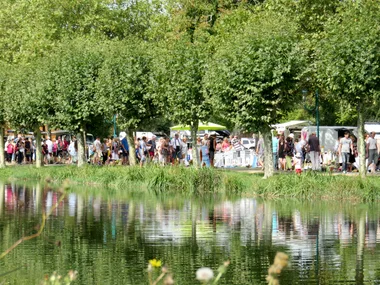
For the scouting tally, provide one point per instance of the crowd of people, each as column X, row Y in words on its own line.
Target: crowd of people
column 297, row 154
column 177, row 150
column 22, row 150
column 289, row 153
column 163, row 150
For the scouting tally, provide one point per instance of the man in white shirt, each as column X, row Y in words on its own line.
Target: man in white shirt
column 143, row 151
column 345, row 145
column 176, row 145
column 184, row 150
column 97, row 150
column 49, row 145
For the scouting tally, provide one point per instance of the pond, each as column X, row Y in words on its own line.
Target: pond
column 109, row 238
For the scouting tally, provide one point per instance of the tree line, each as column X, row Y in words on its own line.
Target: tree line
column 73, row 64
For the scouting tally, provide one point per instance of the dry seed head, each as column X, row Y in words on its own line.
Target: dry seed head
column 169, row 280
column 164, row 269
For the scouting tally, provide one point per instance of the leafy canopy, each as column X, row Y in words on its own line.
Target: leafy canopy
column 348, row 56
column 123, row 83
column 253, row 76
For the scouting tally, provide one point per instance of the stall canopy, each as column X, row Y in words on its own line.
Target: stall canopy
column 201, row 127
column 291, row 124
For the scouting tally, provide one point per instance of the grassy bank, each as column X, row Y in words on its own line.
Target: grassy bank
column 204, row 181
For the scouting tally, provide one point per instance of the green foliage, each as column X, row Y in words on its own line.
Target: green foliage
column 178, row 71
column 32, row 29
column 318, row 186
column 74, row 64
column 3, row 95
column 70, row 84
column 253, row 76
column 25, row 104
column 122, row 86
column 348, row 57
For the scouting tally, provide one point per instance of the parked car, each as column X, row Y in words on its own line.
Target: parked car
column 248, row 143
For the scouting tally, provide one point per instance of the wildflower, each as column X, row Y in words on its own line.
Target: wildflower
column 204, row 274
column 155, row 263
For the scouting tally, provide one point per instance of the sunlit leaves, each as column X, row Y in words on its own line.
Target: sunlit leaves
column 254, row 75
column 348, row 57
column 123, row 83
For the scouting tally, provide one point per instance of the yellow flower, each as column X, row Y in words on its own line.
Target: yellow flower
column 155, row 263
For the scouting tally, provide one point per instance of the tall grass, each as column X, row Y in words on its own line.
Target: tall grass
column 320, row 186
column 205, row 181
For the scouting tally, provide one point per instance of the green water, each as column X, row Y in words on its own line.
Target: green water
column 109, row 239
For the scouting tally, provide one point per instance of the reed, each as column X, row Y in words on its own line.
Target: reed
column 206, row 181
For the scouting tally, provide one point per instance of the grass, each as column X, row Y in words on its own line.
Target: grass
column 205, row 181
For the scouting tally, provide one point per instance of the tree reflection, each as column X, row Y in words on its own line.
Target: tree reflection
column 41, row 227
column 109, row 238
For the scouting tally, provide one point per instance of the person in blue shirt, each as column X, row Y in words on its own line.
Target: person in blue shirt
column 124, row 150
column 205, row 154
column 275, row 151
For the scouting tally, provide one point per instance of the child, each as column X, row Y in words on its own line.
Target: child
column 298, row 163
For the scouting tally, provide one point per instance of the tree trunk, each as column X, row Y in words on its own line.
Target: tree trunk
column 38, row 148
column 361, row 142
column 131, row 145
column 268, row 155
column 2, row 194
column 2, row 153
column 81, row 149
column 195, row 152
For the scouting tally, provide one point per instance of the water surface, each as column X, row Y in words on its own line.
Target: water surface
column 109, row 238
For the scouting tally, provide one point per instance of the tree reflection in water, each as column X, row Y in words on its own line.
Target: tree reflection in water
column 109, row 236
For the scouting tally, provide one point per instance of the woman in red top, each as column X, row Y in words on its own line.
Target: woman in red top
column 10, row 151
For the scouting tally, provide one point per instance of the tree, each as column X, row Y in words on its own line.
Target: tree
column 69, row 85
column 253, row 76
column 32, row 29
column 123, row 87
column 178, row 82
column 349, row 61
column 3, row 79
column 26, row 106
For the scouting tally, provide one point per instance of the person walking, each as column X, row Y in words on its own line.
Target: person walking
column 281, row 151
column 314, row 151
column 205, row 157
column 372, row 152
column 260, row 151
column 275, row 140
column 97, row 151
column 176, row 145
column 124, row 147
column 345, row 145
column 143, row 151
column 10, row 150
column 289, row 151
column 212, row 148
